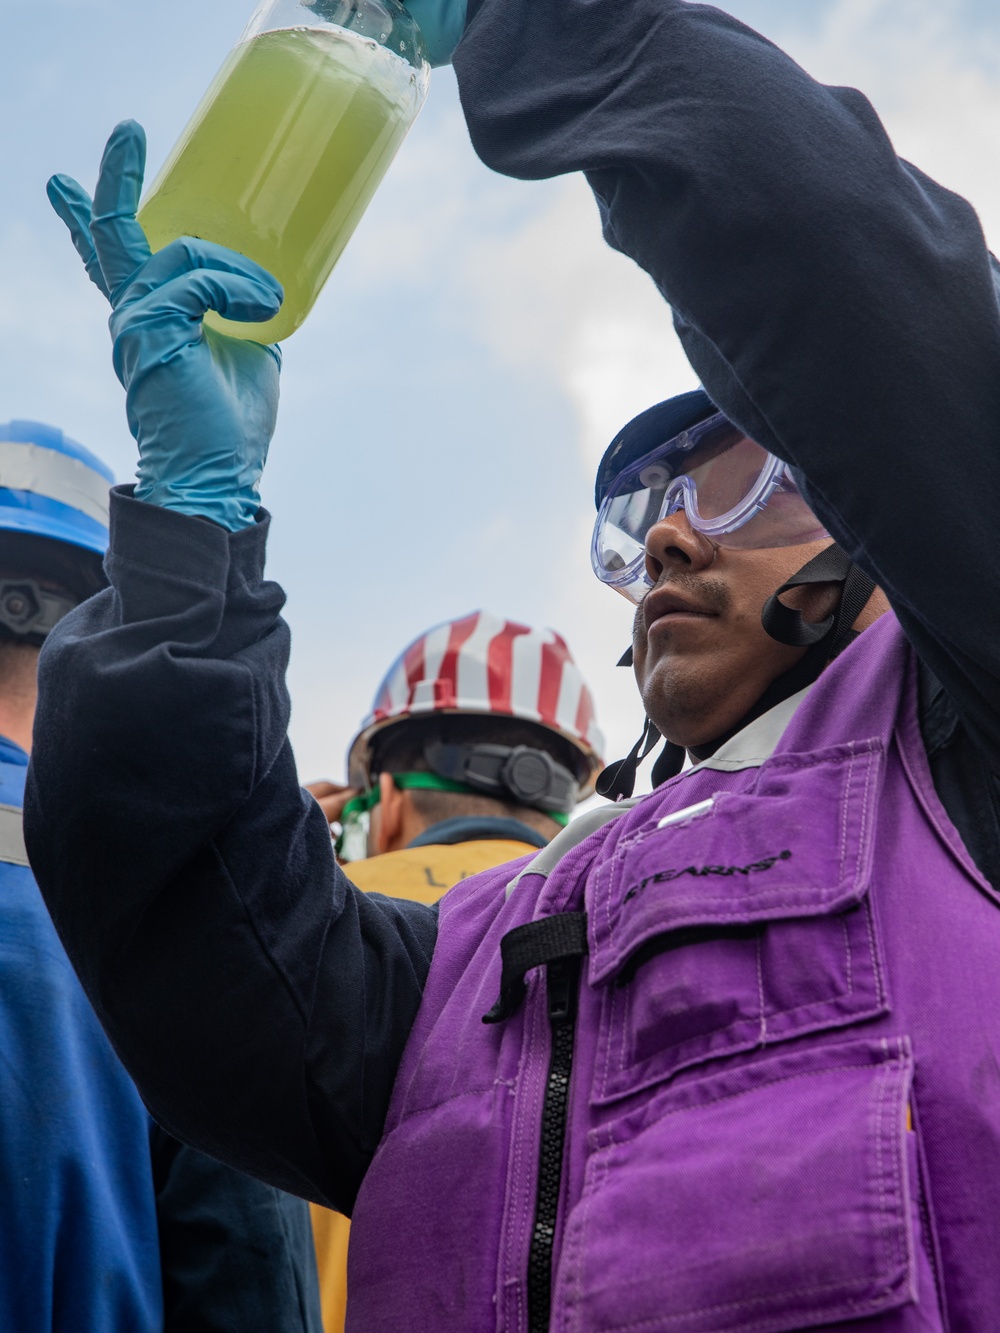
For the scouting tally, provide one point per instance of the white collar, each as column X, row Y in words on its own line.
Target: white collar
column 749, row 748
column 757, row 741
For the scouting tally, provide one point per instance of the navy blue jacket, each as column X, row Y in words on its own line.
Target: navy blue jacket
column 837, row 304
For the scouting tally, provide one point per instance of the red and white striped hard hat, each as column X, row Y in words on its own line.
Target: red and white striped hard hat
column 484, row 664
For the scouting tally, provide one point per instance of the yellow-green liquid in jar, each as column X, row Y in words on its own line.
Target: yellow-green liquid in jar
column 282, row 157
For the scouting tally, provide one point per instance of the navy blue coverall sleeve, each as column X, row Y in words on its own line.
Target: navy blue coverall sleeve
column 836, row 303
column 258, row 999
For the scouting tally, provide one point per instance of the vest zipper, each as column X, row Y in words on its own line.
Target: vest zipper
column 562, row 982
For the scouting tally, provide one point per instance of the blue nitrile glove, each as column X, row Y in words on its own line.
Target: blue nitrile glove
column 201, row 406
column 441, row 23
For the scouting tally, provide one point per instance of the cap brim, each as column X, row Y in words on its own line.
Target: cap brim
column 651, row 428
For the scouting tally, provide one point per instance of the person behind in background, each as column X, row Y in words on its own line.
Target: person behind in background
column 109, row 1224
column 481, row 740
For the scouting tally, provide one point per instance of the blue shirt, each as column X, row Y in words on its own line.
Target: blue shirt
column 79, row 1247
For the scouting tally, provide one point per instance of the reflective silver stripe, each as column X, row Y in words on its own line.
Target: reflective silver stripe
column 571, row 836
column 29, row 467
column 12, row 836
column 687, row 814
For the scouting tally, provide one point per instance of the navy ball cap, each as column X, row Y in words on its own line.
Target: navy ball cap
column 643, row 433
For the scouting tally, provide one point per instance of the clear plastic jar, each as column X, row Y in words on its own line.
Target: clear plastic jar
column 290, row 142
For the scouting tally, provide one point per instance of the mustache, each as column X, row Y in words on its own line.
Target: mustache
column 707, row 593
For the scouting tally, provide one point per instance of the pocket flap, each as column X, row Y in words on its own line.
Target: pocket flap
column 798, row 845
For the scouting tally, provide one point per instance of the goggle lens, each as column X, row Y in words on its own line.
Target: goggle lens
column 731, row 489
column 721, row 476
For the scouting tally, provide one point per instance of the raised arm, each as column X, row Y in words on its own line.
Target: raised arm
column 260, row 1002
column 837, row 304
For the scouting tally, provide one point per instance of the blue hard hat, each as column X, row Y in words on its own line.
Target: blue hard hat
column 52, row 487
column 643, row 433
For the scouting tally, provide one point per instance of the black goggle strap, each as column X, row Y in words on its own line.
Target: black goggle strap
column 824, row 641
column 834, row 633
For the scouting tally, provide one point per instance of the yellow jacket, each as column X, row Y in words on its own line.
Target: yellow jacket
column 421, row 874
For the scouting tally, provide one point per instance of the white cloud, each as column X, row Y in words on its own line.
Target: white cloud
column 554, row 295
column 934, row 82
column 53, row 329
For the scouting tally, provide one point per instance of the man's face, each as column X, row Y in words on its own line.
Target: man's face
column 702, row 656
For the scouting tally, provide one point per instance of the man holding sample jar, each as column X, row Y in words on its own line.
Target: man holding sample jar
column 737, row 1068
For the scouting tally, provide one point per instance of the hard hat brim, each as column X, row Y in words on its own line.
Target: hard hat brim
column 38, row 516
column 359, row 754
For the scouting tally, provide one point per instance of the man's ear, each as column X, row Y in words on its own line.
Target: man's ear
column 390, row 821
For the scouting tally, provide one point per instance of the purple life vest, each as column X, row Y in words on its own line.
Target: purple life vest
column 783, row 1110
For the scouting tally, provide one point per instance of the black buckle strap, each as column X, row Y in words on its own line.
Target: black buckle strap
column 532, row 945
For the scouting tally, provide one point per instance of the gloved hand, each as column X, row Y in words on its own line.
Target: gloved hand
column 442, row 23
column 201, row 406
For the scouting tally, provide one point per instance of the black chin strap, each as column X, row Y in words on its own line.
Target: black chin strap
column 668, row 763
column 823, row 642
column 618, row 779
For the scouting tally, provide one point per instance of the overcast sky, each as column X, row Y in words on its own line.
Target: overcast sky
column 445, row 405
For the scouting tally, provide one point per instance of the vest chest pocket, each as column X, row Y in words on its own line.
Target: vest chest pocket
column 771, row 1197
column 745, row 924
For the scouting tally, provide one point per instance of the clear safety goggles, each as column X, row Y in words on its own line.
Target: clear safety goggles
column 730, row 488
